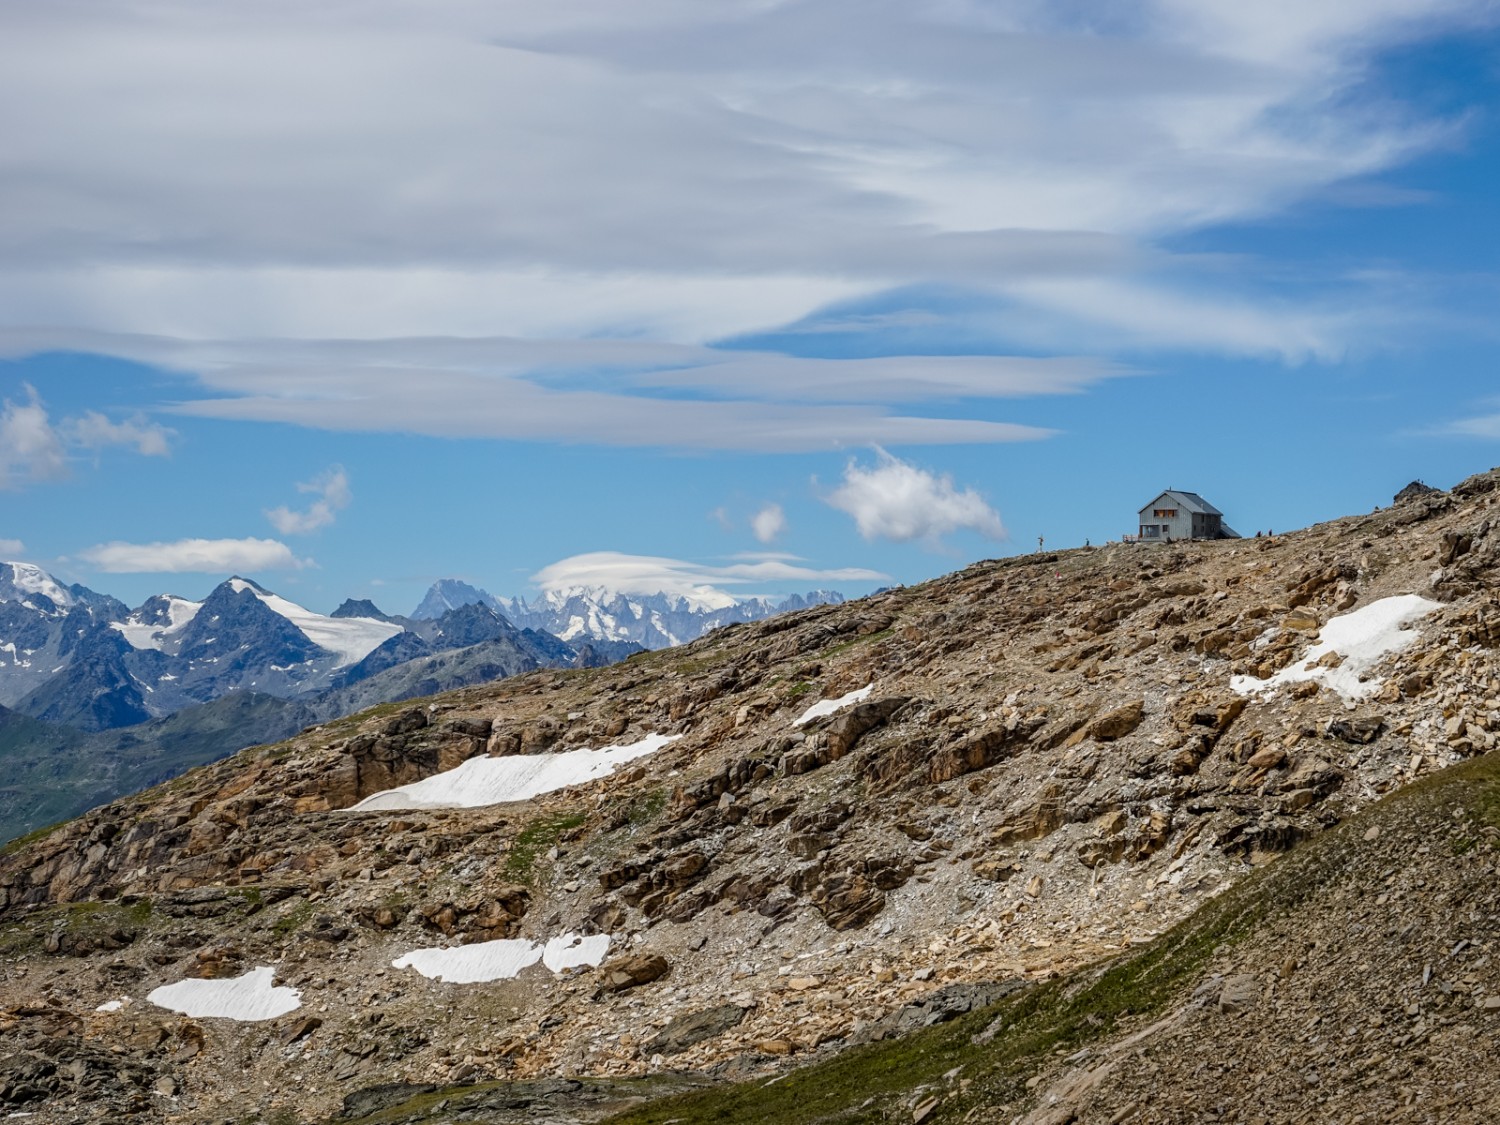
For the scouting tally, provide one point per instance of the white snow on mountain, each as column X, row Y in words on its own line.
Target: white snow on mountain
column 24, row 579
column 352, row 638
column 504, row 959
column 493, row 781
column 251, row 998
column 144, row 634
column 831, row 706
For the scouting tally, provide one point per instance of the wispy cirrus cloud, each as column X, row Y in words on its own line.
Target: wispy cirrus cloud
column 196, row 556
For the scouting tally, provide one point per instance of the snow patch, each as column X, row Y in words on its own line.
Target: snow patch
column 350, row 638
column 111, row 1006
column 829, row 706
column 249, row 998
column 1363, row 638
column 493, row 781
column 142, row 634
column 504, row 959
column 29, row 579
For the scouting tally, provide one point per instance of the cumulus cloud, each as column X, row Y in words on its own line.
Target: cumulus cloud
column 207, row 556
column 901, row 502
column 92, row 430
column 33, row 448
column 12, row 547
column 333, row 495
column 768, row 523
column 30, row 449
column 701, row 584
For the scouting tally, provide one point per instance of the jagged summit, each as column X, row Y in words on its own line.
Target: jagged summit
column 449, row 594
column 795, row 836
column 361, row 607
column 596, row 613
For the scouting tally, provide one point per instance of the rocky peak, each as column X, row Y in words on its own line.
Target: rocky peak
column 361, row 607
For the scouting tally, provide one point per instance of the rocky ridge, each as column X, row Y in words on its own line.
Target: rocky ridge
column 1050, row 768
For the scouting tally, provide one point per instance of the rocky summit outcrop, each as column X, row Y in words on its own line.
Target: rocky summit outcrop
column 1017, row 774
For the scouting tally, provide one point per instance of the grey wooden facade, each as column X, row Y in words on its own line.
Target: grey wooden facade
column 1182, row 515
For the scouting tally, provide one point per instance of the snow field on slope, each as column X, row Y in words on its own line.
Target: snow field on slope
column 493, row 781
column 248, row 998
column 504, row 959
column 30, row 579
column 1363, row 638
column 180, row 611
column 829, row 706
column 352, row 638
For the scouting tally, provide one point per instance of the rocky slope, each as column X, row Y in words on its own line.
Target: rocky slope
column 1050, row 768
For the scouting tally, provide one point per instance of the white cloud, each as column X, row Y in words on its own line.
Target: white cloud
column 702, row 584
column 30, row 449
column 12, row 548
column 690, row 170
column 334, row 495
column 897, row 501
column 33, row 448
column 768, row 523
column 94, row 431
column 208, row 556
column 503, row 387
column 1480, row 426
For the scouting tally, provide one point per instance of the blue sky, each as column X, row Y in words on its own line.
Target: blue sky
column 762, row 295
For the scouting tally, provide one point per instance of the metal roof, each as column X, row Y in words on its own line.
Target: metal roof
column 1189, row 500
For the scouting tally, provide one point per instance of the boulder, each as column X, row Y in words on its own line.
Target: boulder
column 631, row 970
column 1118, row 723
column 689, row 1030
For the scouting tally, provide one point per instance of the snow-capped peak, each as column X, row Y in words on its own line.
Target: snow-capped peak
column 351, row 638
column 19, row 581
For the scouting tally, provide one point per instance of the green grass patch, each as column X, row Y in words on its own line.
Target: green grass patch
column 845, row 646
column 74, row 919
column 293, row 918
column 30, row 838
column 533, row 841
column 645, row 809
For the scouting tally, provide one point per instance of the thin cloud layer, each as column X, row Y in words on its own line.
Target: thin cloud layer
column 902, row 503
column 333, row 496
column 12, row 548
column 196, row 556
column 688, row 171
column 604, row 392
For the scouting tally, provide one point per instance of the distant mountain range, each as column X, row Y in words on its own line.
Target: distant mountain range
column 101, row 698
column 584, row 613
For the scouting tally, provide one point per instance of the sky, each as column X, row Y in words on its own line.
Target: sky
column 763, row 295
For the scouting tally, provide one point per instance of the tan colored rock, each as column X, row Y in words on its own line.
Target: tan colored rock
column 631, row 971
column 1119, row 722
